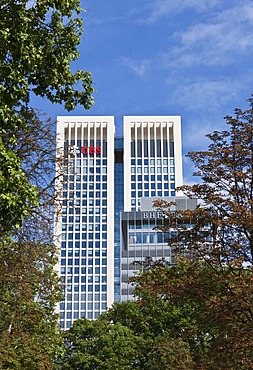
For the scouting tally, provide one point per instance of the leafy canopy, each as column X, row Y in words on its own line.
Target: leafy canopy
column 213, row 244
column 38, row 42
column 29, row 290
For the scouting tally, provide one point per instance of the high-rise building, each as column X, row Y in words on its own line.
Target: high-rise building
column 104, row 178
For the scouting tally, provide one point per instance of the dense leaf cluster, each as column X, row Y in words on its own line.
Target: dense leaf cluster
column 29, row 290
column 38, row 42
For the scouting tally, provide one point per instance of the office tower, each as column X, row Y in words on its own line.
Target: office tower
column 86, row 227
column 104, row 176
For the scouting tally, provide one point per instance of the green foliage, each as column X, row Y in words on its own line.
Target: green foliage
column 38, row 43
column 29, row 290
column 101, row 345
column 130, row 335
column 16, row 192
column 160, row 324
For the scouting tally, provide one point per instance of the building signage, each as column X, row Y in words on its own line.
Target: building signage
column 85, row 150
column 91, row 150
column 152, row 214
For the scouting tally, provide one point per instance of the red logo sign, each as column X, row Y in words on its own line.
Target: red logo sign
column 91, row 150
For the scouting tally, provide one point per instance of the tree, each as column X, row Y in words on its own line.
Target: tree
column 128, row 336
column 155, row 321
column 29, row 290
column 214, row 247
column 38, row 42
column 36, row 148
column 101, row 345
column 29, row 284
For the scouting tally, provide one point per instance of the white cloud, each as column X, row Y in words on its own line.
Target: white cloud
column 203, row 93
column 139, row 67
column 164, row 8
column 205, row 103
column 215, row 42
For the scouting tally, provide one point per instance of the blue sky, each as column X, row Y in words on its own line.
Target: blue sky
column 191, row 58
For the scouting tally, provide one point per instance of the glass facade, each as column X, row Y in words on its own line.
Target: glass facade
column 140, row 239
column 86, row 237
